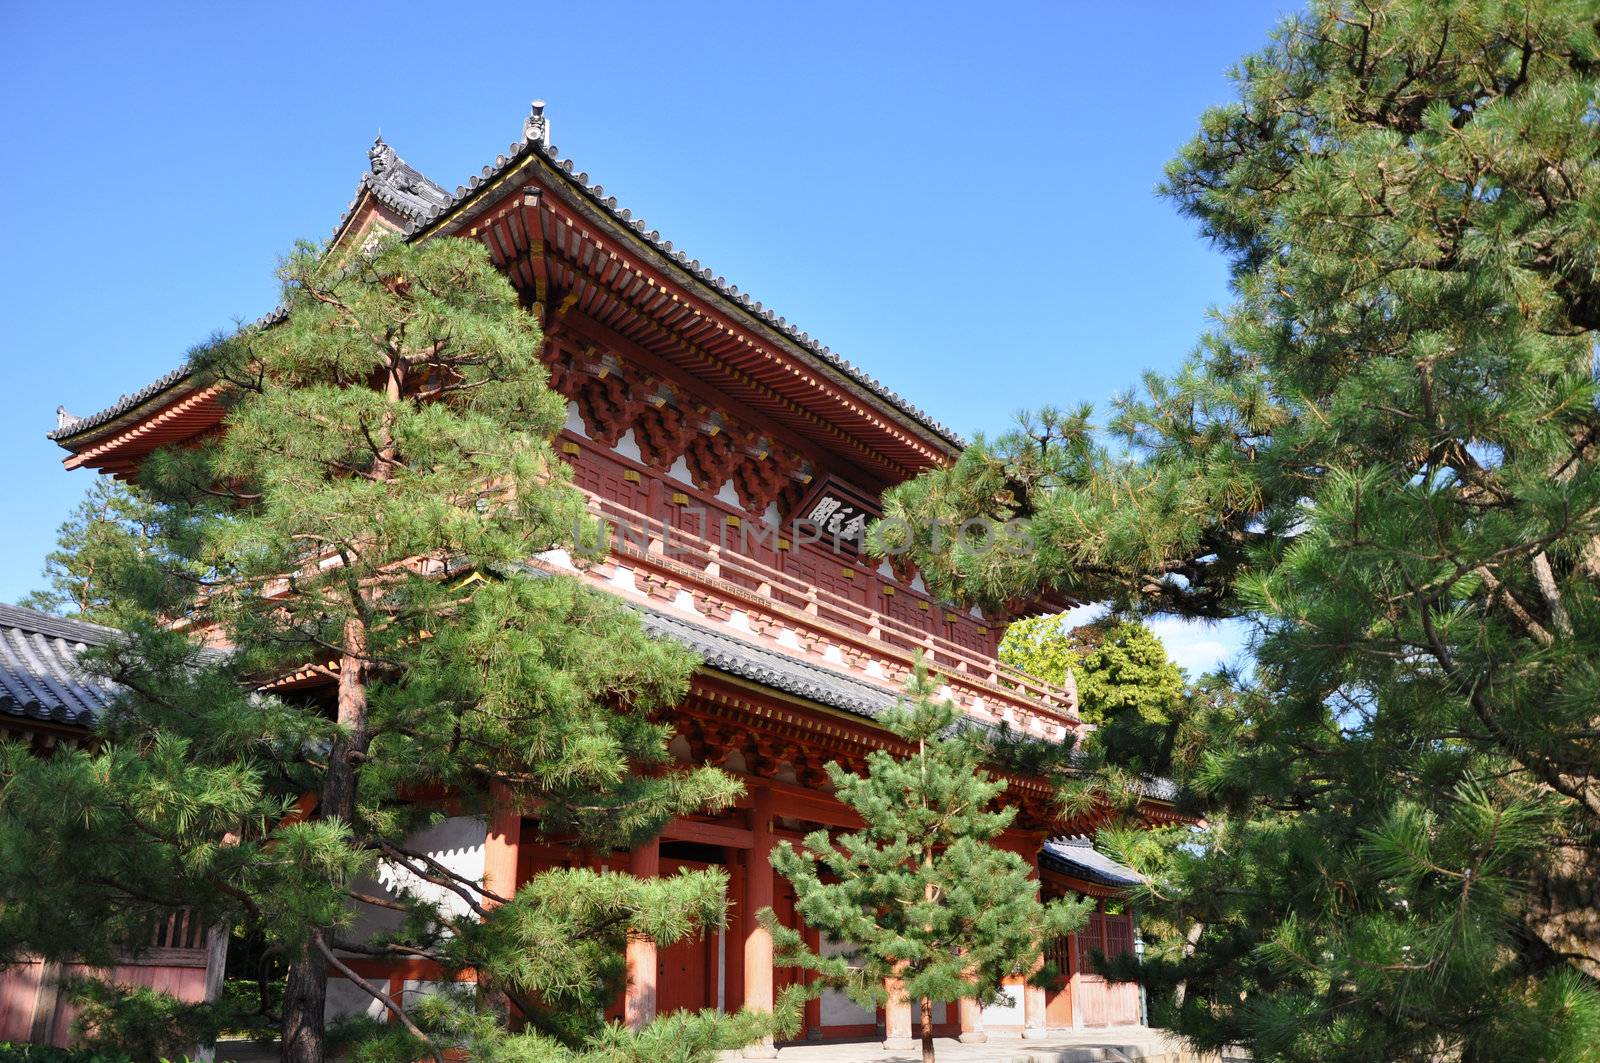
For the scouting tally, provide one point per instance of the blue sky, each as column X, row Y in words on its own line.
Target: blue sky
column 958, row 197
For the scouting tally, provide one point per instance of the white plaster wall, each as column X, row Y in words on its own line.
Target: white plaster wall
column 836, row 1008
column 628, row 447
column 1008, row 1012
column 345, row 999
column 457, row 843
column 414, row 989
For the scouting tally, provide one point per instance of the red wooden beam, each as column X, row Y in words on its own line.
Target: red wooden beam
column 703, row 833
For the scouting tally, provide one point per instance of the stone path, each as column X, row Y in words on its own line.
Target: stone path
column 1127, row 1044
column 1132, row 1044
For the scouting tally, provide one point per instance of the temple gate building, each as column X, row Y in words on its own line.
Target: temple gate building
column 728, row 448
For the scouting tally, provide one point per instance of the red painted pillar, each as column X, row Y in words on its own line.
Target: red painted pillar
column 1034, row 1022
column 813, row 1019
column 639, row 1005
column 502, row 844
column 758, row 890
column 733, row 951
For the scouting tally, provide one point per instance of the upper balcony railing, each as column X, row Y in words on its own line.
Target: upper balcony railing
column 876, row 618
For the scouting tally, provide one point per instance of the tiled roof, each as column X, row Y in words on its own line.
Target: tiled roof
column 397, row 185
column 770, row 668
column 536, row 140
column 40, row 677
column 425, row 203
column 68, row 425
column 1077, row 856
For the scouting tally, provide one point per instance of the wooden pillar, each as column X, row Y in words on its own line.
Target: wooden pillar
column 1034, row 1022
column 897, row 1018
column 971, row 1016
column 639, row 1003
column 758, row 889
column 216, row 970
column 734, row 860
column 46, row 1000
column 813, row 1010
column 502, row 844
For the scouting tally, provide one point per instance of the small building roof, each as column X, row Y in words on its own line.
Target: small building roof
column 40, row 675
column 1077, row 856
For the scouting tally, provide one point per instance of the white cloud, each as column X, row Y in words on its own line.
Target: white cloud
column 1197, row 646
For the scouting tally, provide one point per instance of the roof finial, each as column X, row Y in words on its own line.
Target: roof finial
column 381, row 155
column 536, row 127
column 63, row 418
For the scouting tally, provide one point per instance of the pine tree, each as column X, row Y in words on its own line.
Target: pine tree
column 366, row 515
column 108, row 532
column 1385, row 456
column 921, row 892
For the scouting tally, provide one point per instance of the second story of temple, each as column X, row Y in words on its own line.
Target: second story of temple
column 735, row 459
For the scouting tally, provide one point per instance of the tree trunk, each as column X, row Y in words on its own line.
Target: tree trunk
column 927, row 1030
column 1190, row 941
column 305, row 1001
column 306, row 995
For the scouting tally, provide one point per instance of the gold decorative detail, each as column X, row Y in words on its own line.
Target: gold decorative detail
column 679, row 498
column 631, row 475
column 570, row 448
column 888, row 590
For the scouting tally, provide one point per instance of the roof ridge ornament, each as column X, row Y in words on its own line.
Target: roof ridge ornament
column 536, row 127
column 381, row 155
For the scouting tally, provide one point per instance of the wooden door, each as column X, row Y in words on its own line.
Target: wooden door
column 1089, row 984
column 686, row 973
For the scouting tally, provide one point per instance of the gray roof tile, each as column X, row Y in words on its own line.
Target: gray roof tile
column 40, row 676
column 745, row 660
column 1077, row 856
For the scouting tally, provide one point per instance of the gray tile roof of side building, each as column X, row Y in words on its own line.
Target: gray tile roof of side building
column 40, row 676
column 425, row 203
column 1077, row 856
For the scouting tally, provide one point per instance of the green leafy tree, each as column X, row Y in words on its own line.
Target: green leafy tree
column 921, row 892
column 1118, row 665
column 384, row 472
column 1386, row 457
column 1143, row 711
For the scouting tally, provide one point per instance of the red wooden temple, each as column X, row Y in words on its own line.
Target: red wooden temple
column 729, row 450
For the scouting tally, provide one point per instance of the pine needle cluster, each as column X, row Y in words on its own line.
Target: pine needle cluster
column 1385, row 457
column 922, row 892
column 358, row 536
